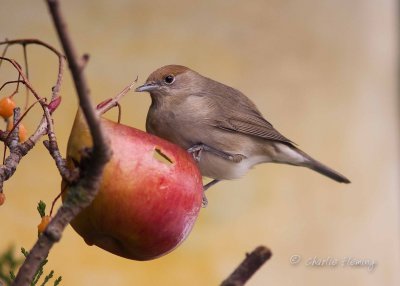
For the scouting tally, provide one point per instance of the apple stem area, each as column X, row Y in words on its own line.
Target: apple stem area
column 107, row 104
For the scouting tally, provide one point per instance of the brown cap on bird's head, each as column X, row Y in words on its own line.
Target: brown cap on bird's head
column 165, row 71
column 164, row 76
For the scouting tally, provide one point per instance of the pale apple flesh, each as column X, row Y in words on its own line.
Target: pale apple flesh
column 150, row 193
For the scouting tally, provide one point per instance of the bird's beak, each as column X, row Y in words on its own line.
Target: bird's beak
column 147, row 87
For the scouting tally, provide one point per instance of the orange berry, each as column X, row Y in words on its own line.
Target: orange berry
column 7, row 106
column 2, row 198
column 22, row 133
column 43, row 224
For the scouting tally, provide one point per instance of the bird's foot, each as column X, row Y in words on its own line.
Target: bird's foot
column 205, row 188
column 204, row 201
column 196, row 151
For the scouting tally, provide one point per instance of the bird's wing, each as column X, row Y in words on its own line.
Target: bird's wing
column 245, row 118
column 254, row 126
column 237, row 113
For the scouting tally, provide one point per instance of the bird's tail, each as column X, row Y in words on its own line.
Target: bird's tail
column 321, row 168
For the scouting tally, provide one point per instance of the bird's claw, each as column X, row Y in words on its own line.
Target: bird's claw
column 204, row 201
column 196, row 151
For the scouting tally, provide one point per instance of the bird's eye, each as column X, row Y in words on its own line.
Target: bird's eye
column 169, row 79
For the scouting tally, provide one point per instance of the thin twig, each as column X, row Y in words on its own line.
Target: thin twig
column 112, row 102
column 10, row 139
column 4, row 52
column 10, row 82
column 22, row 117
column 18, row 150
column 27, row 76
column 70, row 176
column 16, row 153
column 51, row 144
column 55, row 98
column 248, row 267
column 29, row 85
column 25, row 79
column 61, row 58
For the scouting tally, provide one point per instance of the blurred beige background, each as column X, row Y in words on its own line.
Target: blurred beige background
column 323, row 72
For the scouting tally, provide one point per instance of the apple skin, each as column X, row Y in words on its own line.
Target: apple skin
column 145, row 207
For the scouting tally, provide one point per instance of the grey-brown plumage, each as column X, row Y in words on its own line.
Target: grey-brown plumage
column 219, row 124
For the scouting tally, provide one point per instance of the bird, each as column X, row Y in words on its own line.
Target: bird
column 220, row 126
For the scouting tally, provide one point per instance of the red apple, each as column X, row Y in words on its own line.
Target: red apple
column 150, row 193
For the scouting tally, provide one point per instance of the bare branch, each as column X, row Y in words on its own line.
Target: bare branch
column 16, row 153
column 82, row 89
column 18, row 150
column 248, row 267
column 70, row 176
column 85, row 189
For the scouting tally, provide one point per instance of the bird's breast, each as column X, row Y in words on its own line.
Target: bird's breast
column 216, row 167
column 173, row 125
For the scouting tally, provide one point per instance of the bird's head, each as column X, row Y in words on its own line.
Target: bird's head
column 171, row 80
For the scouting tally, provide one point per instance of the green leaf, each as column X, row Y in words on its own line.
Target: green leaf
column 41, row 208
column 24, row 252
column 58, row 280
column 12, row 275
column 8, row 264
column 47, row 278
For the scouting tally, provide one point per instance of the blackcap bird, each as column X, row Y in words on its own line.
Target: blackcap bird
column 219, row 125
